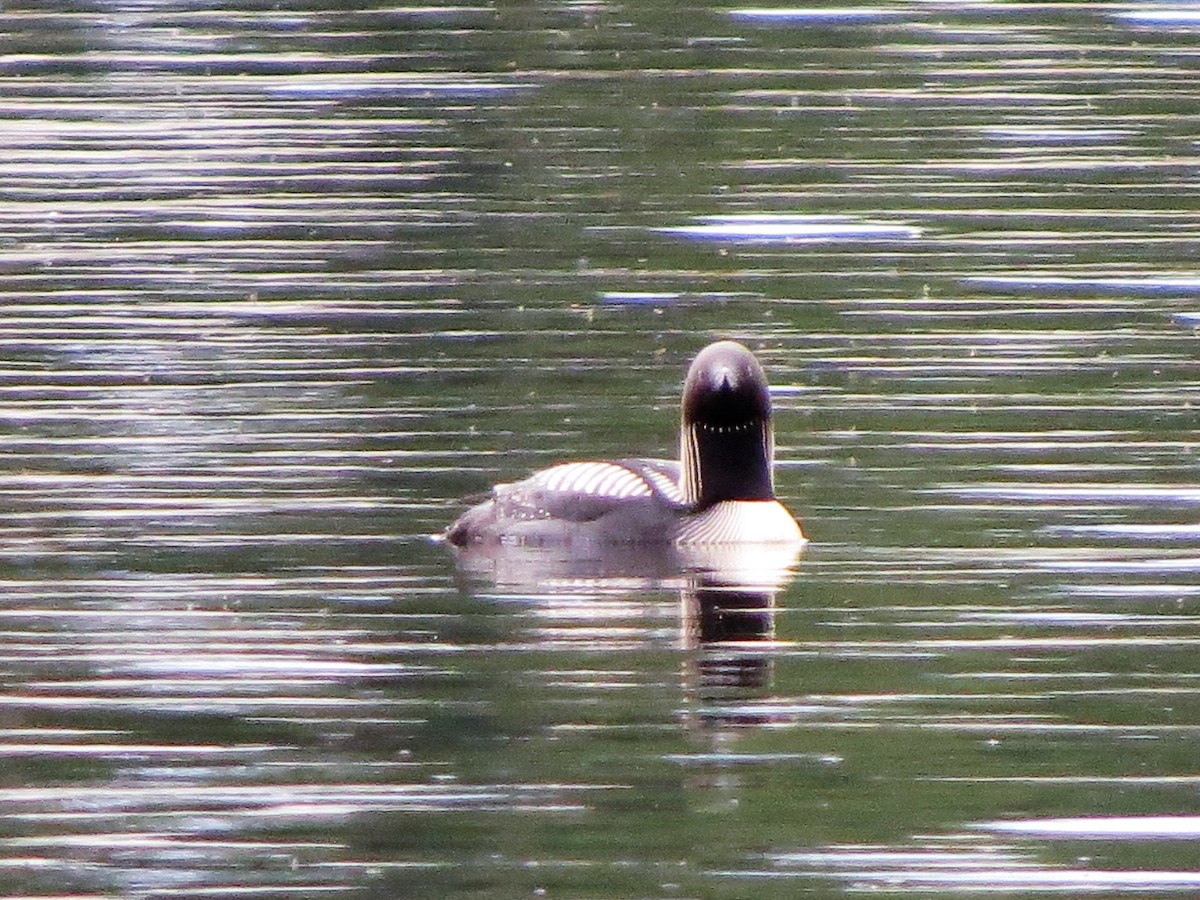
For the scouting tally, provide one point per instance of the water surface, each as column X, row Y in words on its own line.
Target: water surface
column 284, row 288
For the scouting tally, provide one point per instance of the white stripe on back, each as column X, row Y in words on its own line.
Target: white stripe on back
column 595, row 479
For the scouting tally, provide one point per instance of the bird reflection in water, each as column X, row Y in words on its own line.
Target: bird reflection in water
column 726, row 601
column 726, row 628
column 723, row 624
column 728, row 625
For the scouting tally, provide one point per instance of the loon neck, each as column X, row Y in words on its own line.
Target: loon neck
column 730, row 462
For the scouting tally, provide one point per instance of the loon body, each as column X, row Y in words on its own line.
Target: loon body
column 720, row 491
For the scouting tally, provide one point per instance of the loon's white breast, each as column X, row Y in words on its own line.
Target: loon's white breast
column 740, row 522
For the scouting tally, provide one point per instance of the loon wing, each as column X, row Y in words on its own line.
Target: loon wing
column 585, row 491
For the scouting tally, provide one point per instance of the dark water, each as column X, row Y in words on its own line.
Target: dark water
column 283, row 285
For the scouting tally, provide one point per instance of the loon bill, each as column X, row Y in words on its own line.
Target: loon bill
column 721, row 490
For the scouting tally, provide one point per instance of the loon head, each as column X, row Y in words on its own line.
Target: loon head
column 726, row 443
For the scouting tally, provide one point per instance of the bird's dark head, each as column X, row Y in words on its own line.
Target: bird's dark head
column 727, row 444
column 725, row 388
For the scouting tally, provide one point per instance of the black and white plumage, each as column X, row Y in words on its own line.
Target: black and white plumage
column 721, row 490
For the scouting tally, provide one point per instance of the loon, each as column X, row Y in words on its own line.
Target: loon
column 721, row 491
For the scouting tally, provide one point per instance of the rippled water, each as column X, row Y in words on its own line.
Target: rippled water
column 283, row 288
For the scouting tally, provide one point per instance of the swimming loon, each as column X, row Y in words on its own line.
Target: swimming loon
column 721, row 491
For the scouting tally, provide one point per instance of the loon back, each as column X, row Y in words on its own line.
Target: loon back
column 628, row 500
